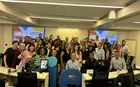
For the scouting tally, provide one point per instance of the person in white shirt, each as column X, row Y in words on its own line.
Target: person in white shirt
column 125, row 50
column 117, row 63
column 73, row 63
column 100, row 54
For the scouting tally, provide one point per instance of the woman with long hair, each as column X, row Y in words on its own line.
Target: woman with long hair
column 78, row 53
column 26, row 55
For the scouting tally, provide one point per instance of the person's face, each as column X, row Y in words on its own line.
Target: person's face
column 54, row 53
column 123, row 43
column 26, row 38
column 67, row 39
column 115, row 43
column 73, row 38
column 15, row 45
column 99, row 46
column 69, row 46
column 76, row 39
column 93, row 42
column 40, row 35
column 46, row 38
column 76, row 47
column 42, row 52
column 117, row 54
column 106, row 39
column 51, row 37
column 97, row 37
column 33, row 41
column 20, row 39
column 84, row 48
column 32, row 48
column 58, row 37
column 103, row 40
column 29, row 39
column 91, row 56
column 38, row 39
column 49, row 46
column 90, row 48
column 73, row 56
column 57, row 48
column 22, row 47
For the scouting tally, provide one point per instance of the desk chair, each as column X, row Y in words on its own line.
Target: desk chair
column 70, row 78
column 126, row 80
column 1, row 59
column 99, row 79
column 27, row 80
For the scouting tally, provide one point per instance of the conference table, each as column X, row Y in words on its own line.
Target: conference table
column 112, row 75
column 40, row 76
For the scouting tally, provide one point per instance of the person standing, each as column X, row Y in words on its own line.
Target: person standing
column 100, row 53
column 107, row 43
column 16, row 61
column 65, row 55
column 9, row 54
column 97, row 40
column 125, row 50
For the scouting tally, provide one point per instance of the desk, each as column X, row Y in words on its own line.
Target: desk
column 40, row 76
column 112, row 75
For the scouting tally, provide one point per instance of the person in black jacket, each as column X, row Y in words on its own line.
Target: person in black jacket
column 91, row 63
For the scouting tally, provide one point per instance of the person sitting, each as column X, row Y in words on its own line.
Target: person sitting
column 117, row 63
column 73, row 63
column 35, row 62
column 91, row 63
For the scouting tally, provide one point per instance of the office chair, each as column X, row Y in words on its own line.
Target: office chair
column 99, row 79
column 27, row 80
column 2, row 83
column 1, row 59
column 126, row 80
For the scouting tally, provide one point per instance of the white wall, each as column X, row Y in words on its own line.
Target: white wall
column 5, row 37
column 67, row 32
column 1, row 38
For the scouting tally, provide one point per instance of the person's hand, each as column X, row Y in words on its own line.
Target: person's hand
column 22, row 54
column 34, row 53
column 102, row 63
column 83, row 62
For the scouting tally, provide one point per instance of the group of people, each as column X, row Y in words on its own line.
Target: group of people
column 86, row 53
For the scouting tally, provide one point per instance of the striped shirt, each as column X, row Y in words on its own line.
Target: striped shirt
column 35, row 62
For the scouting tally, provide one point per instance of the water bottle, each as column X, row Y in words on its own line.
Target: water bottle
column 119, row 84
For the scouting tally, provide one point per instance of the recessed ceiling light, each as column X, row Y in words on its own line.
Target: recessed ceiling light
column 137, row 22
column 66, row 19
column 63, row 4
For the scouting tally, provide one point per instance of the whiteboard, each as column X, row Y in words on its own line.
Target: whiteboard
column 132, row 46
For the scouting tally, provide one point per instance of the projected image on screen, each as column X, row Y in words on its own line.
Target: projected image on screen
column 111, row 35
column 22, row 31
